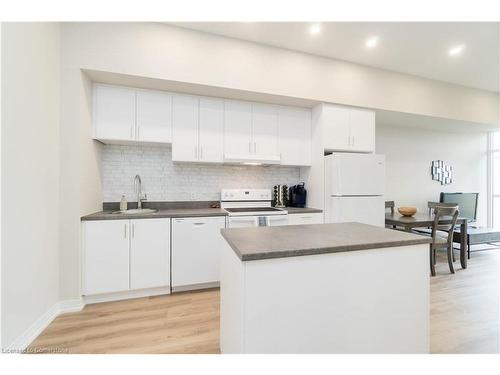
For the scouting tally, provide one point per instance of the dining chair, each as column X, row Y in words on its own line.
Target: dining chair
column 442, row 235
column 390, row 205
column 431, row 206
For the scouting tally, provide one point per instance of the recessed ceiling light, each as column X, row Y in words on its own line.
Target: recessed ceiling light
column 315, row 29
column 457, row 50
column 371, row 42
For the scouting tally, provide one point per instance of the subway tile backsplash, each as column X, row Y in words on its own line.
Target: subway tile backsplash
column 163, row 180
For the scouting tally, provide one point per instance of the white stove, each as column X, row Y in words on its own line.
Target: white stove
column 251, row 208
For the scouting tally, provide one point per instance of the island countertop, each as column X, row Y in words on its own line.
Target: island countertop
column 298, row 240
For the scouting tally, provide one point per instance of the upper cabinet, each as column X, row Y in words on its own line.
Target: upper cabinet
column 206, row 129
column 348, row 129
column 251, row 132
column 237, row 129
column 198, row 129
column 124, row 114
column 154, row 116
column 114, row 113
column 295, row 136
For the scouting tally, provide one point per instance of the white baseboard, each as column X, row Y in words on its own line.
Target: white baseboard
column 61, row 307
column 129, row 294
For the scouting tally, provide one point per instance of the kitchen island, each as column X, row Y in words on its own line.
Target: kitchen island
column 325, row 288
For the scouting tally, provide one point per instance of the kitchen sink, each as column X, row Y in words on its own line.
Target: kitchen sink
column 136, row 211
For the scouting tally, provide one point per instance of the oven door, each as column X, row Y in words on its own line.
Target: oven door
column 242, row 221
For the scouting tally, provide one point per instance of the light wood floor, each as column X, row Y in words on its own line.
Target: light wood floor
column 464, row 318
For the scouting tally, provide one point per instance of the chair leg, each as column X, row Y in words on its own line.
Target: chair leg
column 453, row 253
column 434, row 256
column 450, row 262
column 468, row 250
column 431, row 258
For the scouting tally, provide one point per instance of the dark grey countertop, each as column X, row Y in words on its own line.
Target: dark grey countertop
column 304, row 210
column 172, row 210
column 297, row 240
column 167, row 213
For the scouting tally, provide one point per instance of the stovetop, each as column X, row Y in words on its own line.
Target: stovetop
column 252, row 209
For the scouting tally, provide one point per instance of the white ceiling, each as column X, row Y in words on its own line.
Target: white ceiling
column 414, row 48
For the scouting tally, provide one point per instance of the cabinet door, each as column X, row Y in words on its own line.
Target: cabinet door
column 305, row 218
column 336, row 128
column 237, row 128
column 114, row 113
column 265, row 129
column 154, row 116
column 362, row 124
column 149, row 253
column 211, row 135
column 295, row 136
column 185, row 128
column 105, row 256
column 196, row 247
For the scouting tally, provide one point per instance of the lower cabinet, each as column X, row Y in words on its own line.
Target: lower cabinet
column 196, row 247
column 305, row 218
column 122, row 255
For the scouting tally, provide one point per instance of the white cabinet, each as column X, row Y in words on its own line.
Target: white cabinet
column 295, row 136
column 154, row 116
column 106, row 256
column 237, row 128
column 122, row 255
column 149, row 253
column 114, row 113
column 123, row 114
column 305, row 218
column 196, row 246
column 265, row 130
column 362, row 127
column 185, row 128
column 211, row 130
column 348, row 129
column 198, row 129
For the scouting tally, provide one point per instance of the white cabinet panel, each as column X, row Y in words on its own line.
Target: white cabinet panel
column 185, row 128
column 362, row 127
column 237, row 128
column 265, row 129
column 106, row 256
column 149, row 253
column 305, row 218
column 348, row 129
column 336, row 131
column 295, row 136
column 196, row 246
column 154, row 116
column 114, row 113
column 211, row 130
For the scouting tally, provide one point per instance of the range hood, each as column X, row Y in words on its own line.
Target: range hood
column 252, row 159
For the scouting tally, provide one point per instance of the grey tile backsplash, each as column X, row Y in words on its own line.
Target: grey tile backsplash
column 163, row 180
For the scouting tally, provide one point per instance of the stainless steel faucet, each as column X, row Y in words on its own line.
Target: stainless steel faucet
column 138, row 190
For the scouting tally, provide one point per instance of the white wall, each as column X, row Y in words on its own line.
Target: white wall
column 164, row 180
column 409, row 152
column 30, row 174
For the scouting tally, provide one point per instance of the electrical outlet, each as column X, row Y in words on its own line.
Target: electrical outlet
column 193, row 195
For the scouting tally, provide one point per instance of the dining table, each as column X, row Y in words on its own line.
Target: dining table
column 422, row 220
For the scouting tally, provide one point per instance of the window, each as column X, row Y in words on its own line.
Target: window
column 494, row 178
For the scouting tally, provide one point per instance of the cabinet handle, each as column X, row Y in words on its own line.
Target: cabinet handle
column 201, row 157
column 125, row 231
column 306, row 217
column 199, row 224
column 196, row 152
column 255, row 147
column 249, row 147
column 133, row 230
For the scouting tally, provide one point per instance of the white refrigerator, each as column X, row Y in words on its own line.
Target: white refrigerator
column 355, row 188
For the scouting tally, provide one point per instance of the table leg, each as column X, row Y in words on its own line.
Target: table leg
column 463, row 244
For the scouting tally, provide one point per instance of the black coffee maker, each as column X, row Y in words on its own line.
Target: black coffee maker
column 297, row 195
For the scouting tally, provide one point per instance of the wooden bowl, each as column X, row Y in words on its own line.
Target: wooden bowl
column 407, row 211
